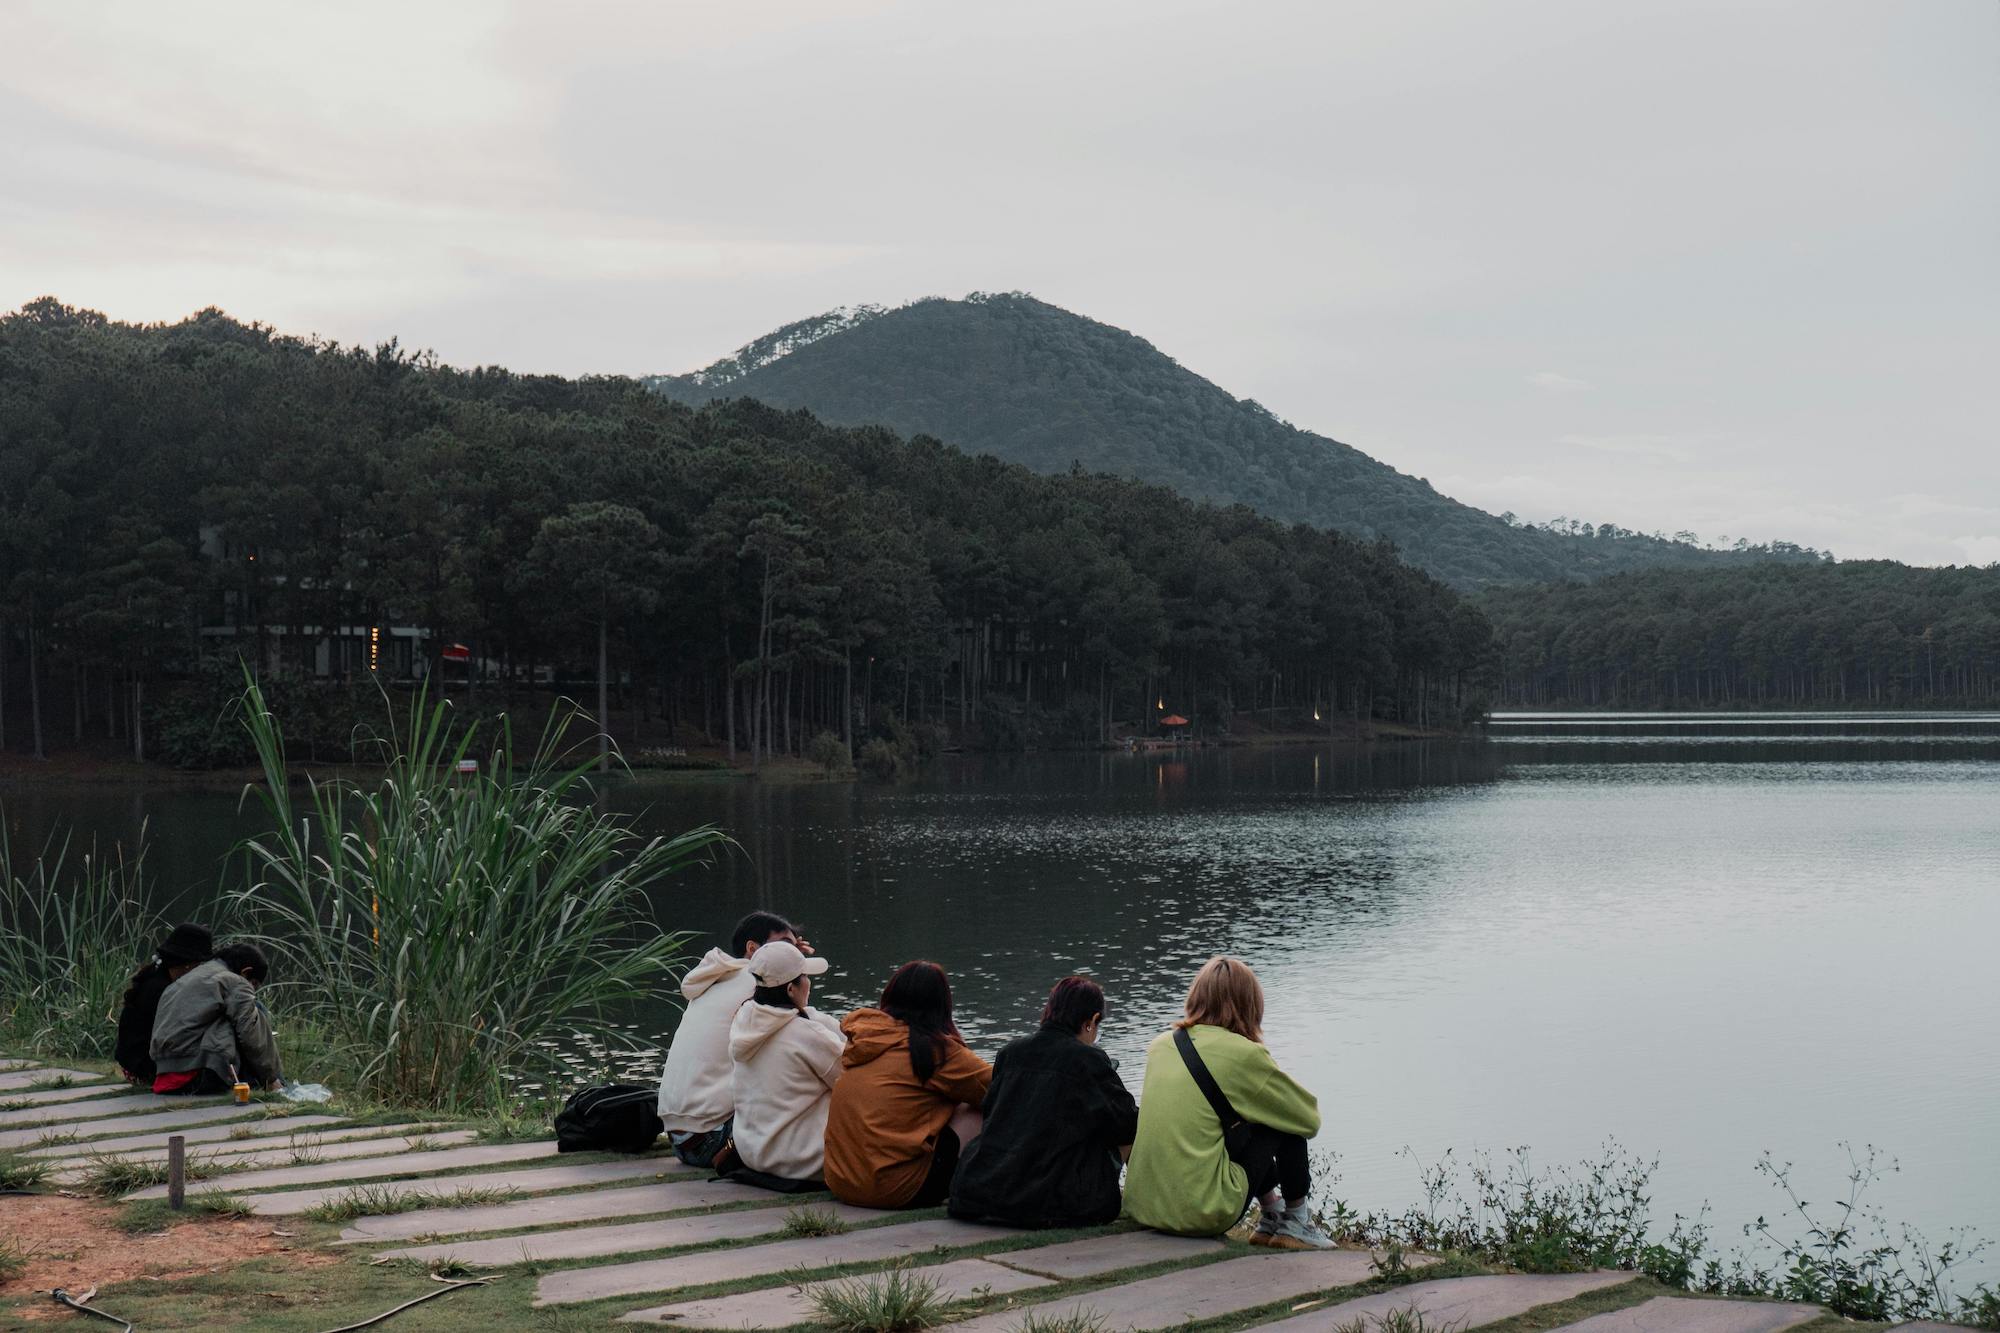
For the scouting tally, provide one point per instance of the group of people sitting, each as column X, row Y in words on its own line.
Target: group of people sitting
column 190, row 1021
column 889, row 1108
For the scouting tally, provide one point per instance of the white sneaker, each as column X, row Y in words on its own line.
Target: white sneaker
column 1292, row 1229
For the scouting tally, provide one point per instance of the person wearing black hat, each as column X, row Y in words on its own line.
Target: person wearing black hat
column 186, row 947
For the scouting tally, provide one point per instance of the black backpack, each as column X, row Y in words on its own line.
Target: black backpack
column 615, row 1117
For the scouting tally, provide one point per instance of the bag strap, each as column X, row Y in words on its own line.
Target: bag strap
column 1206, row 1081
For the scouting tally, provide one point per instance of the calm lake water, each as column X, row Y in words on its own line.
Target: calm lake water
column 1704, row 938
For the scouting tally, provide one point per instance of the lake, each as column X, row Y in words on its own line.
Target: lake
column 1704, row 937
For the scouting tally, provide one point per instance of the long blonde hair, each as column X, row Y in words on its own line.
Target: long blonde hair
column 1226, row 994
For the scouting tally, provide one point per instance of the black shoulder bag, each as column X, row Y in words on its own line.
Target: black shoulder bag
column 1236, row 1130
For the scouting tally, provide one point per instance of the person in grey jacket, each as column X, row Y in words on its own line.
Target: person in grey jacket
column 211, row 1023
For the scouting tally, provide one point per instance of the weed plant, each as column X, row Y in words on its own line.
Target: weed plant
column 897, row 1301
column 1410, row 1319
column 1598, row 1215
column 18, row 1172
column 14, row 1256
column 386, row 1201
column 812, row 1220
column 73, row 928
column 1074, row 1321
column 443, row 931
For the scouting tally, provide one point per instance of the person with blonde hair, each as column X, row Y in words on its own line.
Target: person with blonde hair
column 1220, row 1124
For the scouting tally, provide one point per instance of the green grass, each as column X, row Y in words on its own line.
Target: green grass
column 23, row 1173
column 52, row 1083
column 14, row 1256
column 57, row 1138
column 1085, row 1320
column 111, row 1176
column 154, row 1214
column 897, row 1301
column 812, row 1220
column 1409, row 1319
column 385, row 1201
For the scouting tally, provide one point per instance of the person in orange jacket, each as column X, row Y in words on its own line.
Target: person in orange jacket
column 903, row 1108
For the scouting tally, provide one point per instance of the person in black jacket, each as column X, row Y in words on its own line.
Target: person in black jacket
column 186, row 947
column 1057, row 1115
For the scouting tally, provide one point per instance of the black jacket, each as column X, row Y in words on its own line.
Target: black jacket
column 134, row 1052
column 1056, row 1115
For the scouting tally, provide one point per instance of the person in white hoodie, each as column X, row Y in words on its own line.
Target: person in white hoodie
column 696, row 1096
column 787, row 1056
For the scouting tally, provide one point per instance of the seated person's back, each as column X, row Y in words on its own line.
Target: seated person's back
column 787, row 1056
column 905, row 1078
column 1055, row 1117
column 697, row 1097
column 185, row 948
column 211, row 1030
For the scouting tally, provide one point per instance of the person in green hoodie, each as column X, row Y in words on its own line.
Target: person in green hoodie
column 1201, row 1156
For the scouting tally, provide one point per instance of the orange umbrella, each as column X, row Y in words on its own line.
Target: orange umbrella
column 1175, row 721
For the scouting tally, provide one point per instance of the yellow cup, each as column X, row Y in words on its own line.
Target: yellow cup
column 242, row 1091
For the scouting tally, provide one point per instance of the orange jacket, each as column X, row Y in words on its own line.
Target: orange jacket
column 883, row 1127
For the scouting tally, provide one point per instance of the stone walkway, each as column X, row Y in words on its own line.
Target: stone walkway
column 643, row 1240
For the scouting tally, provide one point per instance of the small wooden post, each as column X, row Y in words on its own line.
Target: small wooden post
column 177, row 1172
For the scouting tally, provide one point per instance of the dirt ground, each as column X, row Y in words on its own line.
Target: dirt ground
column 71, row 1243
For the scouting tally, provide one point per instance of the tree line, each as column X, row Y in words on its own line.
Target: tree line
column 1857, row 634
column 175, row 493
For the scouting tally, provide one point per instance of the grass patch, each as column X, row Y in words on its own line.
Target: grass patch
column 23, row 1173
column 111, row 1176
column 898, row 1301
column 1085, row 1320
column 519, row 1126
column 154, row 1214
column 52, row 1082
column 15, row 1103
column 813, row 1220
column 1406, row 1320
column 386, row 1201
column 14, row 1257
column 57, row 1138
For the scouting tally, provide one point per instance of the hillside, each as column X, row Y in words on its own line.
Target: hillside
column 1034, row 384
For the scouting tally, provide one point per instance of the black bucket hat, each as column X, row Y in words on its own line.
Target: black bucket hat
column 187, row 943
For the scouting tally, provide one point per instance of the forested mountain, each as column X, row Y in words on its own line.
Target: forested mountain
column 1857, row 634
column 1034, row 384
column 210, row 488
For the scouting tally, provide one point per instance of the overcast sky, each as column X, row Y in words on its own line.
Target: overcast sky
column 1732, row 267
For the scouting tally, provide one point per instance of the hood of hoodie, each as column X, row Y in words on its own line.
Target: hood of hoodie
column 755, row 1024
column 872, row 1034
column 715, row 965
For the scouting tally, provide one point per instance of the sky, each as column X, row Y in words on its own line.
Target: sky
column 1728, row 267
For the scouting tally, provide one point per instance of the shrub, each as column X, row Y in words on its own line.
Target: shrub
column 443, row 932
column 829, row 752
column 18, row 1172
column 881, row 761
column 75, row 931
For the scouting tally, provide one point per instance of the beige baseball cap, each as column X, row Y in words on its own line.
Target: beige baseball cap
column 780, row 964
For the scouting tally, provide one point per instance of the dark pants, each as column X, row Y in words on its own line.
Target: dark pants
column 1271, row 1158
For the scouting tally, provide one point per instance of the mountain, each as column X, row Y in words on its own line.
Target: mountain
column 1032, row 383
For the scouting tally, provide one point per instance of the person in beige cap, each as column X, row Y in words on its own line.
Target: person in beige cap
column 787, row 1058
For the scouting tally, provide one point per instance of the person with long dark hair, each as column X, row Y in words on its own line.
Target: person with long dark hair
column 1055, row 1119
column 903, row 1109
column 211, row 1030
column 185, row 948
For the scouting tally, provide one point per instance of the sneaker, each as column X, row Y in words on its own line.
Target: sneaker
column 1293, row 1229
column 1267, row 1225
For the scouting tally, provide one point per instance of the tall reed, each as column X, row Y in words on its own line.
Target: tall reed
column 73, row 929
column 444, row 931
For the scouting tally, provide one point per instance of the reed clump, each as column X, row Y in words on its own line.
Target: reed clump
column 440, row 930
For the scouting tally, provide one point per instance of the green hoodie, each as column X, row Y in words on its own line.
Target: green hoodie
column 1180, row 1178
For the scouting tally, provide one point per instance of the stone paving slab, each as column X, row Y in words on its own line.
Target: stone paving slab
column 1679, row 1314
column 634, row 1201
column 1208, row 1292
column 630, row 1238
column 209, row 1134
column 1461, row 1302
column 270, row 1153
column 21, row 1080
column 171, row 1121
column 895, row 1241
column 1107, row 1254
column 782, row 1307
column 74, row 1113
column 352, row 1143
column 400, row 1164
column 527, row 1182
column 43, row 1096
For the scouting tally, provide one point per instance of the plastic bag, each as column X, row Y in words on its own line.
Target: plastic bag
column 306, row 1092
